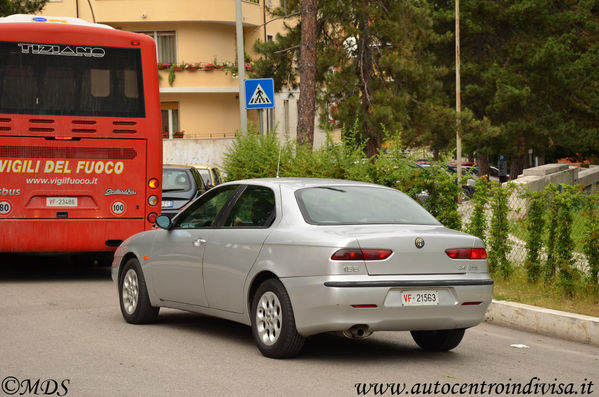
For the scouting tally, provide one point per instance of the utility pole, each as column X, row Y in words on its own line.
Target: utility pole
column 458, row 99
column 241, row 68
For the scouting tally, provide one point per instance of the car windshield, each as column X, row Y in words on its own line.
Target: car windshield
column 205, row 175
column 341, row 205
column 173, row 180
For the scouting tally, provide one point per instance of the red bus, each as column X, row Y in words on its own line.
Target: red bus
column 80, row 135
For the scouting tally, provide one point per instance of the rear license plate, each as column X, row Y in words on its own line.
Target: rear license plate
column 61, row 201
column 167, row 204
column 420, row 298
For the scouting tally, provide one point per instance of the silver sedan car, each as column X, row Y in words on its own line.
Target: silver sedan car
column 294, row 257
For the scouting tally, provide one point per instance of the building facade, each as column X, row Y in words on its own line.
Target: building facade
column 196, row 51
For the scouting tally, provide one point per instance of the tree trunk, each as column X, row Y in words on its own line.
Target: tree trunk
column 307, row 71
column 483, row 164
column 519, row 160
column 364, row 69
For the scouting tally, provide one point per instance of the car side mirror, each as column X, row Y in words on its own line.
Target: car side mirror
column 163, row 222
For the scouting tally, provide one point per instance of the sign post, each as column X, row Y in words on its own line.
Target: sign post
column 260, row 94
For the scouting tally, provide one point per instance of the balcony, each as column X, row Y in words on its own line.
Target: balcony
column 199, row 78
column 220, row 11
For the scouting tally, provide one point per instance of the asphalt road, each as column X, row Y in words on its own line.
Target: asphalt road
column 61, row 323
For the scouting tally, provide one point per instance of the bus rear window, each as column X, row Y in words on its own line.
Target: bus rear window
column 70, row 80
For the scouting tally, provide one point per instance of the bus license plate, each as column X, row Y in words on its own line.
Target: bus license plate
column 61, row 201
column 420, row 298
column 167, row 204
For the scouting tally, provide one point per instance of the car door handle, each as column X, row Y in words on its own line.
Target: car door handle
column 199, row 242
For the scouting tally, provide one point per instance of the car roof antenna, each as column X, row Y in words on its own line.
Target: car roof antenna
column 279, row 160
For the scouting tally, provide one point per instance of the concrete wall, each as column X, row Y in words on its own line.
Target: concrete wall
column 536, row 178
column 285, row 119
column 195, row 151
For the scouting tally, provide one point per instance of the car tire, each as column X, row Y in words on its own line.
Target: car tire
column 273, row 323
column 438, row 341
column 133, row 295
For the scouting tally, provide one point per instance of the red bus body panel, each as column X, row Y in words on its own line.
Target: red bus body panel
column 79, row 184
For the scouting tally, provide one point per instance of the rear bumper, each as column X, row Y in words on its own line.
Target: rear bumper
column 323, row 304
column 65, row 235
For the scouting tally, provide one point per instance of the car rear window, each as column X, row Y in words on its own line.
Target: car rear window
column 174, row 180
column 342, row 205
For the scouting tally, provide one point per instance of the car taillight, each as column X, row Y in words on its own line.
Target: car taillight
column 153, row 183
column 356, row 254
column 478, row 253
column 466, row 253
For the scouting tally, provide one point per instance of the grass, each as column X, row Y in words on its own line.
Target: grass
column 517, row 289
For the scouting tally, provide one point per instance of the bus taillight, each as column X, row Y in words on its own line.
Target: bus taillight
column 153, row 183
column 152, row 217
column 153, row 200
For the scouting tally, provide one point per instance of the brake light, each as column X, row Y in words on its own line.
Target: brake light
column 152, row 217
column 356, row 254
column 153, row 183
column 466, row 253
column 478, row 253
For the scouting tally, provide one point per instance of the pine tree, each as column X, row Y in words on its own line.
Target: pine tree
column 10, row 7
column 530, row 67
column 307, row 65
column 372, row 68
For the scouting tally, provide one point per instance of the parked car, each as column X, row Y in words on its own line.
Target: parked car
column 469, row 177
column 180, row 185
column 295, row 257
column 493, row 172
column 210, row 174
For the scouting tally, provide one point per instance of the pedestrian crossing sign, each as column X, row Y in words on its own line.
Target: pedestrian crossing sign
column 259, row 93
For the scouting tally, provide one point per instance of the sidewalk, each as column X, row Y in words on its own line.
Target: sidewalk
column 564, row 325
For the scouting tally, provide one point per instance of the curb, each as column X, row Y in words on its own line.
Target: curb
column 564, row 325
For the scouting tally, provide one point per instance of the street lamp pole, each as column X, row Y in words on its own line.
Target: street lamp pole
column 458, row 98
column 241, row 68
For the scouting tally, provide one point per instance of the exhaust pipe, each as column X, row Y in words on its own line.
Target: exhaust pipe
column 358, row 332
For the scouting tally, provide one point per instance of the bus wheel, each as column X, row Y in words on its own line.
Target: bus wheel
column 135, row 303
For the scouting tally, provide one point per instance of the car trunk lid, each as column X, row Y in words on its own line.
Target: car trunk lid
column 426, row 257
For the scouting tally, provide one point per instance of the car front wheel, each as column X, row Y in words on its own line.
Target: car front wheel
column 438, row 341
column 273, row 323
column 135, row 303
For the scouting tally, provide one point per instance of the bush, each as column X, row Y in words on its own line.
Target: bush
column 591, row 241
column 478, row 220
column 499, row 234
column 255, row 156
column 534, row 242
